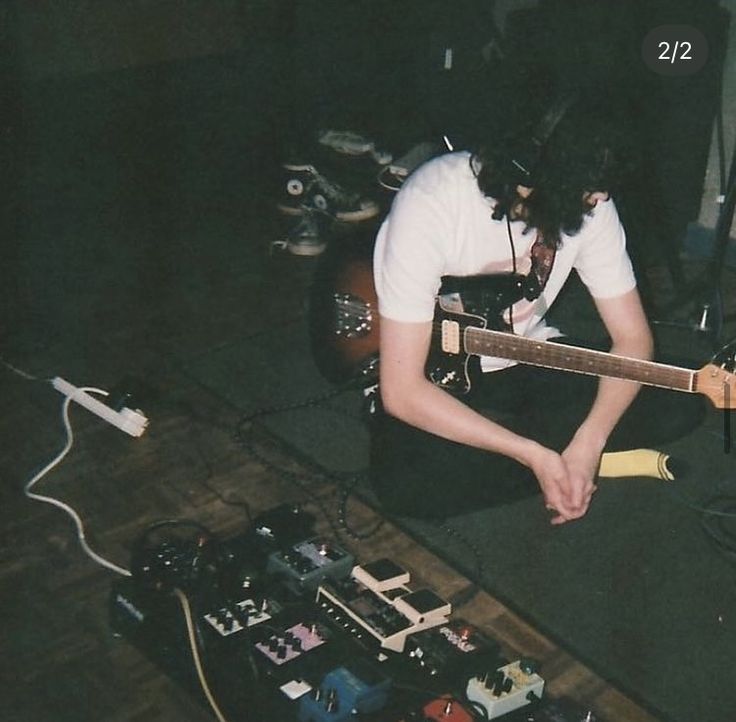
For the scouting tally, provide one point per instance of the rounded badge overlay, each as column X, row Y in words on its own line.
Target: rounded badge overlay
column 675, row 50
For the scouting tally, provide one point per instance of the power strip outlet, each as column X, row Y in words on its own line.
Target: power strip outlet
column 127, row 420
column 512, row 686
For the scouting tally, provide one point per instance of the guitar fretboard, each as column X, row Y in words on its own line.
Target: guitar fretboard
column 581, row 360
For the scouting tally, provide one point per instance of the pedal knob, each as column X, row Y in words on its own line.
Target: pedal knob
column 528, row 665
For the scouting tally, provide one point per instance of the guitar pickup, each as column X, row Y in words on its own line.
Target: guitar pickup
column 450, row 336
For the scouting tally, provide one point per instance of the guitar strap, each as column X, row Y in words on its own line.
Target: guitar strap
column 543, row 258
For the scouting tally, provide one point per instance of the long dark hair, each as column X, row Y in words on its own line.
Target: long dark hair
column 586, row 152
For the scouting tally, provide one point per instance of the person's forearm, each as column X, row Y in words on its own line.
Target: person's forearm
column 613, row 398
column 432, row 409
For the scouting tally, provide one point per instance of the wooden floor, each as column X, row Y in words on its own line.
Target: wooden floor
column 60, row 660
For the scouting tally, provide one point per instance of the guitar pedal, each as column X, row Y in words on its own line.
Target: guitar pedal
column 446, row 709
column 375, row 600
column 452, row 652
column 345, row 692
column 512, row 686
column 306, row 564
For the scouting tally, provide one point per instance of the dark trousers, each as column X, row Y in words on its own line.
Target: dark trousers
column 418, row 474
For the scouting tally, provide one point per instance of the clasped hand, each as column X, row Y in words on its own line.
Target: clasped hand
column 567, row 480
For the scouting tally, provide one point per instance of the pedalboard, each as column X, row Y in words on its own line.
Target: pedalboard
column 511, row 687
column 304, row 565
column 375, row 599
column 300, row 632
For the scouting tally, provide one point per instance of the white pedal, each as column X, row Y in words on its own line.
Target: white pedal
column 248, row 615
column 375, row 600
column 510, row 688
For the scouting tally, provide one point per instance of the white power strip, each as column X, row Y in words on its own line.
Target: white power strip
column 511, row 688
column 127, row 420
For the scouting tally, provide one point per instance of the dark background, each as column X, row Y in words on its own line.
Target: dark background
column 278, row 71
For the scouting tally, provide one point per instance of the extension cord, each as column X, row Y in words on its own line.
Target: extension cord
column 127, row 420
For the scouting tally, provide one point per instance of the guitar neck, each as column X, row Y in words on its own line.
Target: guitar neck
column 484, row 342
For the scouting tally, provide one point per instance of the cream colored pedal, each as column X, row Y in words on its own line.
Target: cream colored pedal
column 513, row 686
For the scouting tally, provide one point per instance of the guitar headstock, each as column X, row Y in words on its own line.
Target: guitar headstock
column 717, row 379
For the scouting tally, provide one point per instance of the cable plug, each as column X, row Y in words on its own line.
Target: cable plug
column 132, row 422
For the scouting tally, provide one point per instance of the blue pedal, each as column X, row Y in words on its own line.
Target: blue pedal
column 345, row 692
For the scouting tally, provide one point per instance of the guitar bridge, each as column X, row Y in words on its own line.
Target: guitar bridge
column 450, row 337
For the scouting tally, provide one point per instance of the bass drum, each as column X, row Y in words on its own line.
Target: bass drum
column 343, row 312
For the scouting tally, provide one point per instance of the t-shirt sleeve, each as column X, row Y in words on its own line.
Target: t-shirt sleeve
column 409, row 256
column 602, row 261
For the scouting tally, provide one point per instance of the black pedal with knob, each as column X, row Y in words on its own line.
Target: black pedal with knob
column 452, row 652
column 282, row 526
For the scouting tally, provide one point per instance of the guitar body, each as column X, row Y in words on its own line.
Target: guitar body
column 345, row 323
column 344, row 326
column 448, row 366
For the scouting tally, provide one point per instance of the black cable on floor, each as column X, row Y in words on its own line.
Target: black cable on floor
column 345, row 492
column 344, row 483
column 291, row 477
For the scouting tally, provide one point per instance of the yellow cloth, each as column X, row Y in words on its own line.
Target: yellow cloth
column 637, row 462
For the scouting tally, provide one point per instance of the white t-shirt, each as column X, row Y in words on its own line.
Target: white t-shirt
column 440, row 224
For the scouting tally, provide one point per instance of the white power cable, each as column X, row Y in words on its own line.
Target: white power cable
column 60, row 504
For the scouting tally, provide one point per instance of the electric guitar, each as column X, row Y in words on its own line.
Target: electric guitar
column 345, row 327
